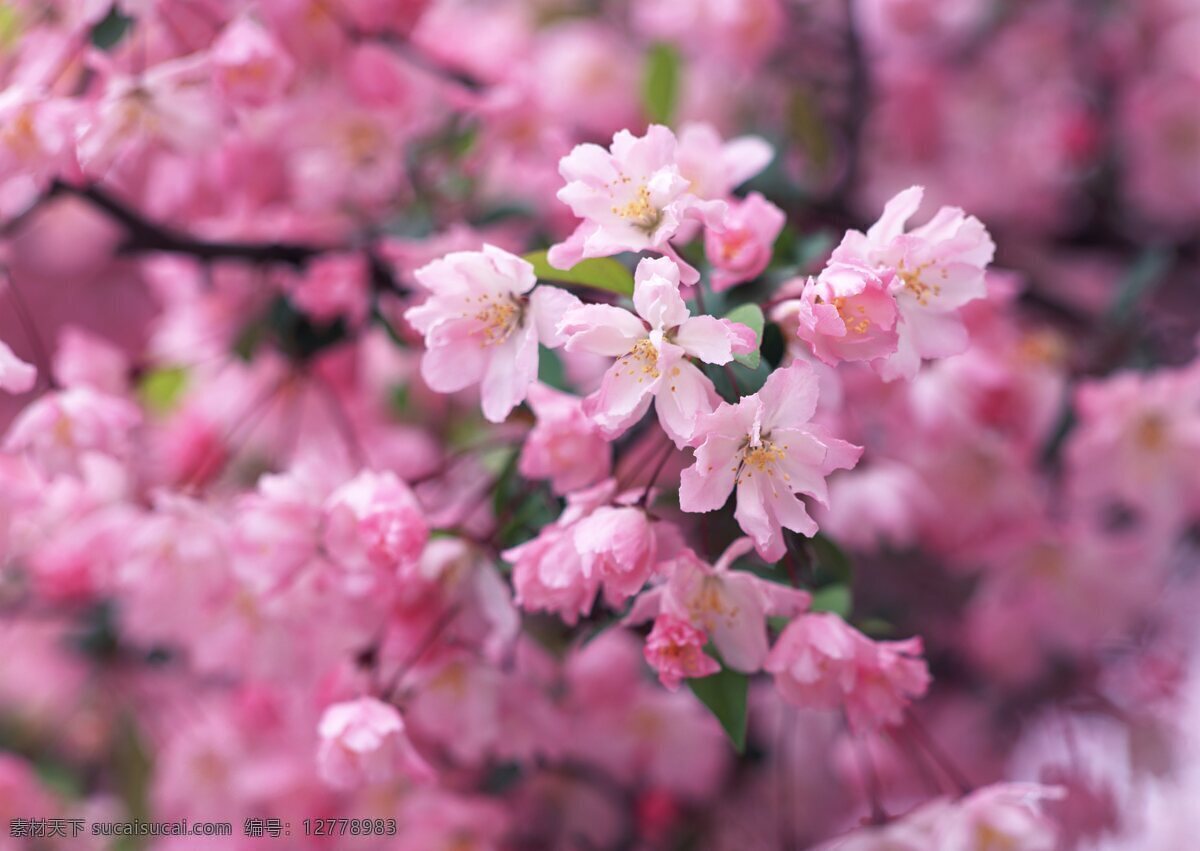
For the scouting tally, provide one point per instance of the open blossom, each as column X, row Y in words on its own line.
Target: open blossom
column 16, row 376
column 766, row 447
column 741, row 249
column 631, row 197
column 675, row 649
column 59, row 429
column 564, row 446
column 1004, row 815
column 364, row 741
column 821, row 662
column 483, row 325
column 652, row 351
column 935, row 269
column 373, row 525
column 846, row 313
column 729, row 606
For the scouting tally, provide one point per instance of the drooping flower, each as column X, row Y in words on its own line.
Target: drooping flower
column 846, row 314
column 935, row 269
column 564, row 446
column 821, row 662
column 483, row 325
column 652, row 351
column 765, row 446
column 729, row 606
column 364, row 741
column 622, row 547
column 741, row 249
column 675, row 649
column 631, row 197
column 373, row 526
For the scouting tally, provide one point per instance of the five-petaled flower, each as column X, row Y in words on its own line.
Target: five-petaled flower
column 766, row 447
column 483, row 325
column 653, row 353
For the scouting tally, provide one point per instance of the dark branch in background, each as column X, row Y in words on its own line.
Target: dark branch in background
column 859, row 96
column 144, row 236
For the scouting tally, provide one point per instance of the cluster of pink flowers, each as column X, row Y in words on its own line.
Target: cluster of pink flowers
column 330, row 489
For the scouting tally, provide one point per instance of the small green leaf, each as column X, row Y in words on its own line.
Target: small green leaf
column 833, row 564
column 833, row 598
column 660, row 83
column 161, row 389
column 600, row 273
column 108, row 33
column 724, row 693
column 550, row 369
column 750, row 315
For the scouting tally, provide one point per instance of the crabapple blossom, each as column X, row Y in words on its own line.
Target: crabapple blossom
column 820, row 662
column 932, row 270
column 766, row 448
column 364, row 741
column 483, row 325
column 373, row 524
column 846, row 313
column 653, row 350
column 631, row 197
column 565, row 445
column 729, row 606
column 675, row 649
column 251, row 67
column 741, row 249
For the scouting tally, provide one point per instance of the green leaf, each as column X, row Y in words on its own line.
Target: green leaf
column 108, row 33
column 599, row 273
column 550, row 369
column 832, row 562
column 833, row 598
column 750, row 315
column 724, row 693
column 161, row 389
column 660, row 83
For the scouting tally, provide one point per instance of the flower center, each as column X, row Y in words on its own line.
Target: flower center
column 642, row 358
column 920, row 290
column 859, row 323
column 761, row 458
column 499, row 317
column 640, row 212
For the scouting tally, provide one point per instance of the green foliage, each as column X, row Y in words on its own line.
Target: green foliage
column 161, row 389
column 837, row 599
column 660, row 83
column 832, row 563
column 599, row 273
column 750, row 315
column 108, row 33
column 724, row 693
column 550, row 369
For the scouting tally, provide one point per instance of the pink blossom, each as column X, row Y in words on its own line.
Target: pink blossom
column 934, row 270
column 364, row 742
column 820, row 662
column 765, row 446
column 565, row 445
column 741, row 249
column 619, row 546
column 60, row 428
column 713, row 167
column 675, row 649
column 16, row 376
column 373, row 525
column 482, row 325
column 1004, row 814
column 848, row 314
column 631, row 197
column 652, row 351
column 729, row 606
column 251, row 67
